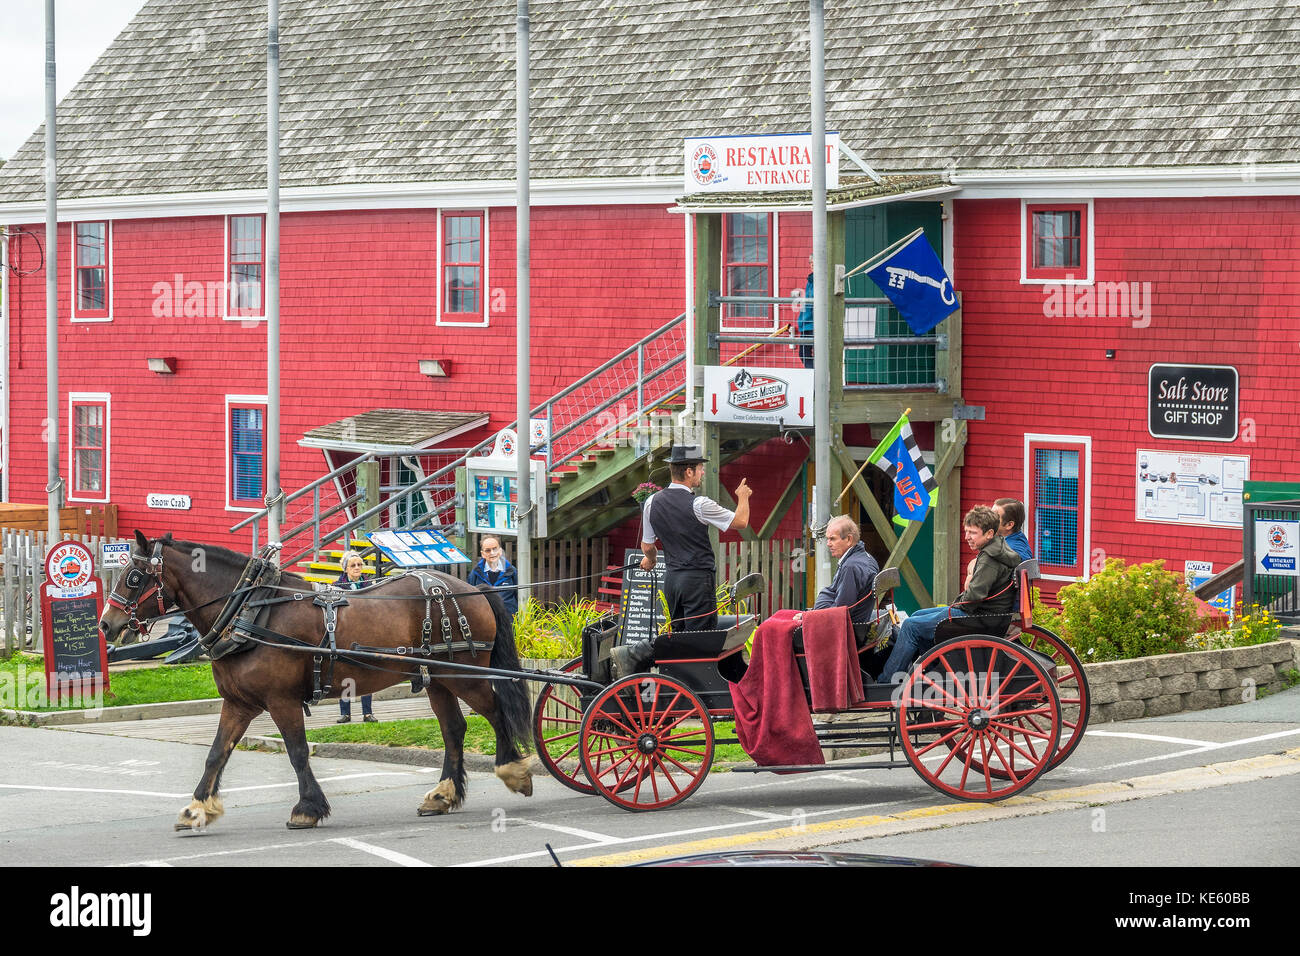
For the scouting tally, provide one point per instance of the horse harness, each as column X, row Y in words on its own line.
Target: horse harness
column 242, row 625
column 143, row 585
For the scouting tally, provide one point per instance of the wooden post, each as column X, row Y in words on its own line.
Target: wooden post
column 708, row 279
column 368, row 487
column 947, row 434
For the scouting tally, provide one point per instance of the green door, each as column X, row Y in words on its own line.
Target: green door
column 868, row 230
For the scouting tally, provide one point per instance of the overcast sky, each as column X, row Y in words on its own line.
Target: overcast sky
column 83, row 30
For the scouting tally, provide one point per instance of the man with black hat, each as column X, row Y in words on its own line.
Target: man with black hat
column 681, row 519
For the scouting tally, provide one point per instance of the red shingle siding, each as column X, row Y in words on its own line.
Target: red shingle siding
column 357, row 306
column 1223, row 291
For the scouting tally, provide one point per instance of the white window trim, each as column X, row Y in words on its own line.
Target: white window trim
column 773, row 274
column 437, row 281
column 1024, row 242
column 108, row 274
column 75, row 398
column 225, row 275
column 225, row 426
column 1084, row 442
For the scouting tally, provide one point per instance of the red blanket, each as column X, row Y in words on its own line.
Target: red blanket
column 834, row 676
column 773, row 722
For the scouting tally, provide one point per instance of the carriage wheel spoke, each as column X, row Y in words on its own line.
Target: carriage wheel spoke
column 956, row 749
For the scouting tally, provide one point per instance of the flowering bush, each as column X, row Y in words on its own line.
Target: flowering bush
column 1125, row 612
column 644, row 491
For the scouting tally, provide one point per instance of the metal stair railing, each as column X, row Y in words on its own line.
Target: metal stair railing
column 580, row 415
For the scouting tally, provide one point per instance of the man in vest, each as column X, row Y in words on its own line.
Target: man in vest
column 681, row 519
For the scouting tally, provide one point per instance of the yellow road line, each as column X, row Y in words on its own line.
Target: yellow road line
column 956, row 814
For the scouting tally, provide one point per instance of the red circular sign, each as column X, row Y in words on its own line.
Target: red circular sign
column 69, row 565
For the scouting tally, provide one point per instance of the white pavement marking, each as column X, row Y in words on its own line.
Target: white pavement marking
column 128, row 793
column 392, row 856
column 294, row 783
column 1200, row 750
column 571, row 831
column 761, row 814
column 657, row 836
column 1155, row 737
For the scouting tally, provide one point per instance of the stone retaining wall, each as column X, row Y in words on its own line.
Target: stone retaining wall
column 1199, row 680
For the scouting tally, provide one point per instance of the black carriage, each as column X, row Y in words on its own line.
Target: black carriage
column 994, row 704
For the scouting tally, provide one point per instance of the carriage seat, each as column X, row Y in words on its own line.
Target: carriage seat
column 997, row 625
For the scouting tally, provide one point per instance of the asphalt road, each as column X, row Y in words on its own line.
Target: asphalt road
column 1133, row 794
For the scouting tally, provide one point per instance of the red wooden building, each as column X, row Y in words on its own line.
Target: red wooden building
column 1114, row 190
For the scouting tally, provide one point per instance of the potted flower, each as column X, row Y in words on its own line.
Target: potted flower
column 644, row 491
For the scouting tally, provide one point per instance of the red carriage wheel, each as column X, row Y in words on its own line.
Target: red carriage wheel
column 557, row 731
column 647, row 742
column 979, row 718
column 1071, row 688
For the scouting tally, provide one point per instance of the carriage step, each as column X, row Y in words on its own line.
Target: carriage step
column 813, row 768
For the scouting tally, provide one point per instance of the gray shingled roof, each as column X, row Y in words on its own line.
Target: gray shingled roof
column 391, row 91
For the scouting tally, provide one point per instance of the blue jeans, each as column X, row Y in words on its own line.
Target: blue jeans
column 916, row 636
column 345, row 705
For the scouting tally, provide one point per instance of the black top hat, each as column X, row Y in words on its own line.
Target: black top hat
column 686, row 455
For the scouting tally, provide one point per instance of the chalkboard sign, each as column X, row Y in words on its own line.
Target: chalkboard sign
column 639, row 601
column 74, row 648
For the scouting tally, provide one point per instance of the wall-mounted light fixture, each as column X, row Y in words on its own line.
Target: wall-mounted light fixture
column 163, row 366
column 435, row 368
column 1110, row 353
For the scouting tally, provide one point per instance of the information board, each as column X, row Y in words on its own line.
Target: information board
column 642, row 614
column 413, row 549
column 76, row 658
column 1189, row 488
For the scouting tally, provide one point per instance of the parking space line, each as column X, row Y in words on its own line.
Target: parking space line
column 392, row 856
column 1155, row 737
column 127, row 793
column 1198, row 750
column 596, row 838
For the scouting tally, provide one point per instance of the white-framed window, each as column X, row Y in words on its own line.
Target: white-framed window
column 88, row 446
column 462, row 283
column 1056, row 242
column 749, row 267
column 245, row 267
column 92, row 271
column 1058, row 504
column 245, row 427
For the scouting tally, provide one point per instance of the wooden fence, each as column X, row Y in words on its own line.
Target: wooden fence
column 76, row 522
column 782, row 563
column 22, row 571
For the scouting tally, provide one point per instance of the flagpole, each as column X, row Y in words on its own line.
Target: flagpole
column 906, row 412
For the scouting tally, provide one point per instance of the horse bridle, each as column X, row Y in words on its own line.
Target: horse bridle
column 142, row 585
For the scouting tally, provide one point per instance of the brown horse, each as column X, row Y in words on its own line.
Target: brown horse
column 199, row 578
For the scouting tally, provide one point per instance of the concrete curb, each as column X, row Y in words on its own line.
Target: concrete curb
column 176, row 708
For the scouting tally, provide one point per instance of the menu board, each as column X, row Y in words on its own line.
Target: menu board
column 1190, row 488
column 74, row 646
column 642, row 614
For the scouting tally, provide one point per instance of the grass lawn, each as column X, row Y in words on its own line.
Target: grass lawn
column 22, row 685
column 479, row 737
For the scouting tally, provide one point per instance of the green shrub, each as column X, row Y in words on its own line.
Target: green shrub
column 1124, row 612
column 553, row 632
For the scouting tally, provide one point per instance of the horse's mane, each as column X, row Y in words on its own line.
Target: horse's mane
column 234, row 558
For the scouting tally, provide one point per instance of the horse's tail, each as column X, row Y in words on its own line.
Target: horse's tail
column 512, row 696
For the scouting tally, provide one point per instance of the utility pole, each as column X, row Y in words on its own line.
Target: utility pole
column 524, row 437
column 54, row 480
column 821, row 295
column 274, row 496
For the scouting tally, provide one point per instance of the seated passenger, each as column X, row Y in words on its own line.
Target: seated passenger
column 989, row 591
column 1011, row 518
column 1011, row 514
column 855, row 578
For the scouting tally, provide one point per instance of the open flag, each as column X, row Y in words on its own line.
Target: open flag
column 913, row 278
column 898, row 456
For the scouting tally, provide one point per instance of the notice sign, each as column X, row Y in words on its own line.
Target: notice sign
column 1177, row 488
column 1194, row 402
column 766, row 396
column 1277, row 546
column 730, row 164
column 1197, row 573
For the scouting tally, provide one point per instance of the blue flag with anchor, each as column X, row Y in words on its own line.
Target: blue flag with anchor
column 898, row 456
column 913, row 278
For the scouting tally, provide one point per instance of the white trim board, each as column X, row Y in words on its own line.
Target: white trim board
column 1085, row 442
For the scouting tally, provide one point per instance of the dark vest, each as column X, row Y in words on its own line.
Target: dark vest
column 685, row 539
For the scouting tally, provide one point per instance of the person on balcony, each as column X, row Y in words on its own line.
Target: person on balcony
column 680, row 519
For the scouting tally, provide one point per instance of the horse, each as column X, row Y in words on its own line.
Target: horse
column 261, row 676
